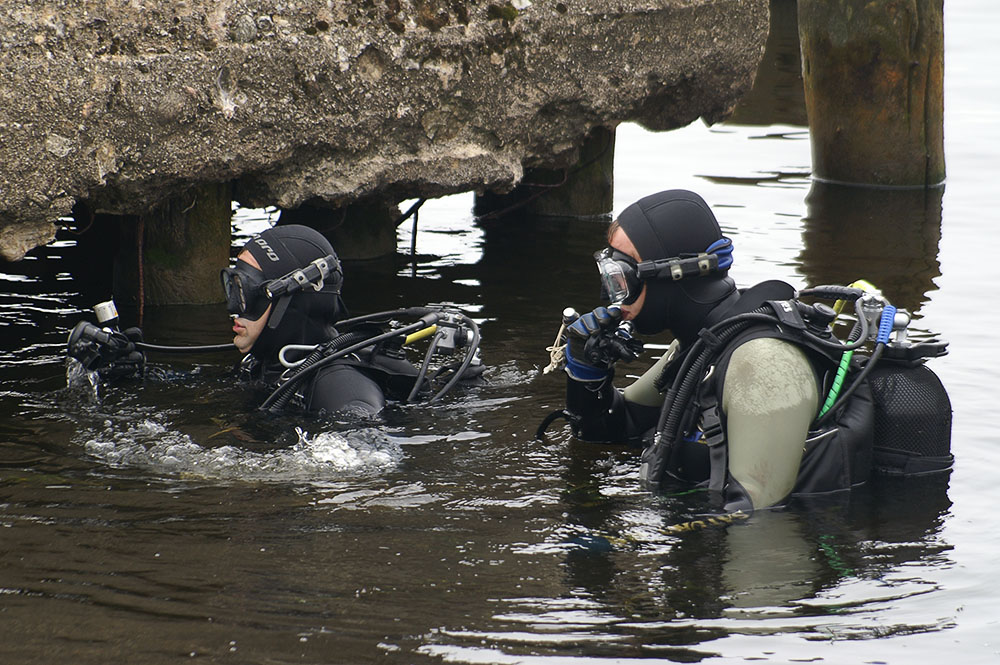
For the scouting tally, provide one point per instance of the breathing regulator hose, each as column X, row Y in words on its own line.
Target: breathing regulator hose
column 431, row 322
column 469, row 357
column 304, row 368
column 677, row 397
column 423, row 368
column 294, row 380
column 884, row 330
column 436, row 342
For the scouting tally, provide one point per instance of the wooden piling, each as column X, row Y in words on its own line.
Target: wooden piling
column 362, row 230
column 873, row 74
column 172, row 255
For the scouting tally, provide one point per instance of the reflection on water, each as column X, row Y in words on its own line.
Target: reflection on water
column 777, row 97
column 889, row 237
column 441, row 533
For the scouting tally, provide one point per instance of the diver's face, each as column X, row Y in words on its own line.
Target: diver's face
column 246, row 331
column 621, row 242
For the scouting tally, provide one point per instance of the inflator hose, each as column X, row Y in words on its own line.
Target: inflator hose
column 858, row 380
column 314, row 357
column 296, row 378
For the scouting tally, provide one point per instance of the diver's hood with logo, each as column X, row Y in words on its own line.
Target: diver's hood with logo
column 310, row 315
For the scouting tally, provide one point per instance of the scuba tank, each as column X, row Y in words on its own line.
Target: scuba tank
column 912, row 410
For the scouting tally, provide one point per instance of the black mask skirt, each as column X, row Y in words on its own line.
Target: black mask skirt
column 244, row 288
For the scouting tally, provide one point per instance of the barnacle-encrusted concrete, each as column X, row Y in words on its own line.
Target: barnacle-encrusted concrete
column 123, row 104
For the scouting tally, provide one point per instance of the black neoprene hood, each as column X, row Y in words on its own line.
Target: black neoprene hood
column 665, row 225
column 669, row 224
column 311, row 314
column 282, row 249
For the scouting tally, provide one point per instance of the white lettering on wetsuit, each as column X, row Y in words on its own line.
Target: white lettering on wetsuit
column 267, row 248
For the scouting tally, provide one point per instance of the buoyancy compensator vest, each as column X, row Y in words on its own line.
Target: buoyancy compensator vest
column 885, row 409
column 373, row 344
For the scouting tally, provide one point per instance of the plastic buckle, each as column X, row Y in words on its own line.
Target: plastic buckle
column 711, row 426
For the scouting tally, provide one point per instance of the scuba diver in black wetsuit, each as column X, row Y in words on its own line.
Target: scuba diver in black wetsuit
column 263, row 326
column 736, row 404
column 289, row 321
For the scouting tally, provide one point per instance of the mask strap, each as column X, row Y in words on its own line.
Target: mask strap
column 281, row 306
column 717, row 257
column 279, row 311
column 280, row 290
column 312, row 276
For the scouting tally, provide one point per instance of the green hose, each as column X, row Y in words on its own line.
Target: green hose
column 838, row 382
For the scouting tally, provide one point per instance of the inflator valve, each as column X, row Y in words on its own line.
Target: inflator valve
column 886, row 324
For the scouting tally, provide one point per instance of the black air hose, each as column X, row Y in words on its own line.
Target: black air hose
column 208, row 348
column 305, row 367
column 425, row 321
column 687, row 378
column 423, row 369
column 470, row 354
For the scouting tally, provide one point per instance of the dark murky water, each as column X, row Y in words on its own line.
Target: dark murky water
column 150, row 524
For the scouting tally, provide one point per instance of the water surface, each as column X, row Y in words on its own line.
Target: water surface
column 150, row 523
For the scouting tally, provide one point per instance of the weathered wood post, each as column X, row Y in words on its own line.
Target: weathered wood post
column 873, row 72
column 172, row 255
column 583, row 189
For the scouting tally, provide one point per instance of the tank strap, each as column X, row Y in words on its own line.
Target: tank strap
column 705, row 412
column 713, row 433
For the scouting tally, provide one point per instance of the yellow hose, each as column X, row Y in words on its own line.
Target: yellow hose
column 862, row 284
column 420, row 334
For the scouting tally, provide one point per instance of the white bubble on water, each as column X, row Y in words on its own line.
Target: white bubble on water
column 153, row 446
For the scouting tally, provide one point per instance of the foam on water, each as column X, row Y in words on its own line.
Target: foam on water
column 151, row 445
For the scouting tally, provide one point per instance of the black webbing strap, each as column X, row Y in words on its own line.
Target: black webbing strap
column 715, row 438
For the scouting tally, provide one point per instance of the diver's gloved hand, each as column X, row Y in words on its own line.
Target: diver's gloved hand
column 585, row 337
column 127, row 360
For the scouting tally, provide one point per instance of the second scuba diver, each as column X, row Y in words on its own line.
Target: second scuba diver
column 263, row 326
column 284, row 299
column 736, row 404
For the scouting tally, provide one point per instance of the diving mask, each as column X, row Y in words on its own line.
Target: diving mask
column 622, row 276
column 619, row 281
column 248, row 292
column 244, row 288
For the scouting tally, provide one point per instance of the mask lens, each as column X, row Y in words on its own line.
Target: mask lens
column 614, row 280
column 244, row 293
